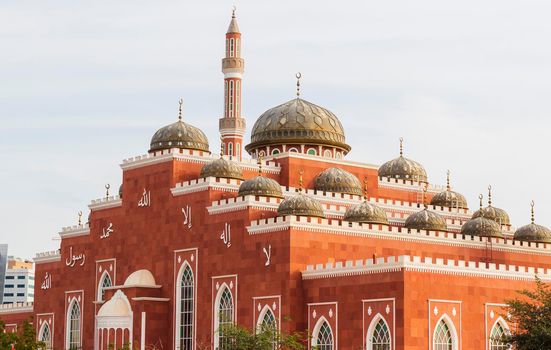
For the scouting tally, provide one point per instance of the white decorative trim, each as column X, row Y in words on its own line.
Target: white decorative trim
column 16, row 308
column 392, row 232
column 427, row 264
column 150, row 299
column 323, row 159
column 204, row 184
column 242, row 203
column 46, row 257
column 74, row 231
column 105, row 203
column 409, row 185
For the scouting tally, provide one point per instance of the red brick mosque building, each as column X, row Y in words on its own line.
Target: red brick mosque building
column 359, row 255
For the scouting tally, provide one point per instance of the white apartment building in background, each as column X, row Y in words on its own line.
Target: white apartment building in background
column 19, row 281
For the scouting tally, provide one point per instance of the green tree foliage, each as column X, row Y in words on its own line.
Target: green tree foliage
column 266, row 337
column 531, row 314
column 24, row 339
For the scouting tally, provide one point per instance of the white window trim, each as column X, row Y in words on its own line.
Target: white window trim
column 449, row 322
column 216, row 314
column 371, row 329
column 316, row 331
column 263, row 313
column 178, row 304
column 41, row 333
column 68, row 322
column 100, row 284
column 505, row 326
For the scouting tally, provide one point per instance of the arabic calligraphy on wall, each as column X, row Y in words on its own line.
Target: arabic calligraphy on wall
column 187, row 215
column 106, row 232
column 72, row 260
column 47, row 281
column 225, row 236
column 145, row 201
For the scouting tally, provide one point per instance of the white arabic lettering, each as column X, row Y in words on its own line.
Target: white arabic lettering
column 145, row 201
column 226, row 235
column 268, row 253
column 107, row 232
column 187, row 215
column 47, row 282
column 72, row 259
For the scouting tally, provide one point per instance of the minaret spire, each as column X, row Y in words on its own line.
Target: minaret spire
column 232, row 124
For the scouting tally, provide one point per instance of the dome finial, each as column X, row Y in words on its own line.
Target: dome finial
column 107, row 187
column 233, row 11
column 79, row 217
column 401, row 146
column 448, row 181
column 221, row 147
column 300, row 172
column 480, row 196
column 425, row 188
column 259, row 162
column 365, row 189
column 180, row 103
column 532, row 210
column 298, row 76
column 489, row 195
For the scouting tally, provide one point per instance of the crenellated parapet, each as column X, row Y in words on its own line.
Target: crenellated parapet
column 74, row 231
column 409, row 185
column 240, row 203
column 426, row 264
column 204, row 184
column 46, row 257
column 105, row 203
column 14, row 308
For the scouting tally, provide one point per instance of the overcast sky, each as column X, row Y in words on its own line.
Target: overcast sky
column 85, row 84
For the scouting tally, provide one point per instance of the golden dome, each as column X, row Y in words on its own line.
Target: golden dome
column 338, row 180
column 533, row 232
column 300, row 205
column 426, row 220
column 179, row 135
column 260, row 186
column 481, row 227
column 498, row 215
column 298, row 122
column 222, row 167
column 366, row 213
column 449, row 198
column 403, row 168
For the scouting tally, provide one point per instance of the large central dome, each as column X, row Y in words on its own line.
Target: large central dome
column 297, row 123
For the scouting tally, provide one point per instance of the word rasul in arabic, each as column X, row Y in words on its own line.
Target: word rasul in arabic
column 72, row 259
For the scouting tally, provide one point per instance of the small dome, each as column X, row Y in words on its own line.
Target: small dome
column 498, row 215
column 449, row 198
column 338, row 180
column 533, row 232
column 403, row 168
column 300, row 205
column 222, row 167
column 117, row 306
column 481, row 227
column 179, row 135
column 426, row 220
column 140, row 278
column 366, row 213
column 260, row 186
column 298, row 122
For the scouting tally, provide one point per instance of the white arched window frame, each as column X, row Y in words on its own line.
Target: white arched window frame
column 232, row 47
column 327, row 154
column 438, row 335
column 230, row 148
column 226, row 97
column 224, row 314
column 323, row 337
column 45, row 335
column 383, row 342
column 338, row 155
column 105, row 281
column 231, row 98
column 275, row 151
column 185, row 308
column 265, row 317
column 237, row 98
column 227, row 47
column 312, row 151
column 73, row 329
column 293, row 150
column 499, row 329
column 238, row 150
column 237, row 48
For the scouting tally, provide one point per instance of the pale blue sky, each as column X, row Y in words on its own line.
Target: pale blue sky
column 84, row 84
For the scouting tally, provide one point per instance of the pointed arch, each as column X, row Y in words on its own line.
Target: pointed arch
column 45, row 335
column 185, row 308
column 378, row 334
column 73, row 325
column 498, row 330
column 224, row 315
column 445, row 336
column 266, row 317
column 322, row 336
column 105, row 281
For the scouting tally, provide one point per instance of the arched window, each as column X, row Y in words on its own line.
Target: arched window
column 238, row 150
column 312, row 151
column 223, row 318
column 293, row 150
column 237, row 48
column 232, row 41
column 230, row 148
column 185, row 294
column 104, row 282
column 327, row 154
column 275, row 151
column 237, row 97
column 378, row 337
column 444, row 336
column 73, row 326
column 338, row 155
column 267, row 323
column 499, row 331
column 45, row 335
column 231, row 98
column 323, row 336
column 226, row 98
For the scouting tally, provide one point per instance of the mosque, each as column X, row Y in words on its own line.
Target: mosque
column 295, row 236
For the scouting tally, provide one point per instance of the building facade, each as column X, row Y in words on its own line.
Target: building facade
column 359, row 255
column 3, row 265
column 19, row 281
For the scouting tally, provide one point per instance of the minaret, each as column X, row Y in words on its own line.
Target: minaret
column 232, row 124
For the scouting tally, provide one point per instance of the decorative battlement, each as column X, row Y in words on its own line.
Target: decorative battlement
column 409, row 185
column 46, row 257
column 74, row 231
column 16, row 308
column 323, row 159
column 340, row 227
column 202, row 184
column 427, row 264
column 243, row 202
column 105, row 203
